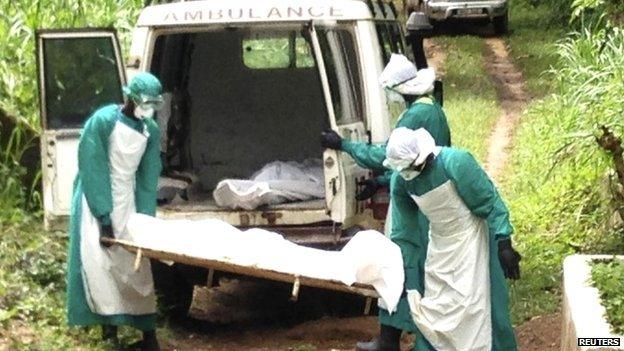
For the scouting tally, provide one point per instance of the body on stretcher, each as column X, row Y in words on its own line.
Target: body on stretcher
column 369, row 265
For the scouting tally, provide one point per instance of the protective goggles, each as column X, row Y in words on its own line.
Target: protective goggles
column 150, row 102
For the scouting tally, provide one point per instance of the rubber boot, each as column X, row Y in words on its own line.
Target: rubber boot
column 389, row 340
column 150, row 342
column 109, row 335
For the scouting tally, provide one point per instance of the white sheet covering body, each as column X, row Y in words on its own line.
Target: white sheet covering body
column 368, row 258
column 275, row 183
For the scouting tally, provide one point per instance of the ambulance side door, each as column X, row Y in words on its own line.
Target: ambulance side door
column 79, row 71
column 337, row 56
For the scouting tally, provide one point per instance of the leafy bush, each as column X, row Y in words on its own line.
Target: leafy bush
column 18, row 22
column 608, row 277
column 611, row 9
column 18, row 83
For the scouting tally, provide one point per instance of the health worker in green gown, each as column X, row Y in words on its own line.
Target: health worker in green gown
column 118, row 169
column 464, row 305
column 402, row 82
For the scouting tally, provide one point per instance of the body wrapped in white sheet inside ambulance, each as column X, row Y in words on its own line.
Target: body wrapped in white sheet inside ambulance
column 246, row 83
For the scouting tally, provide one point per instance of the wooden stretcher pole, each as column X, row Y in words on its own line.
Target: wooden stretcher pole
column 295, row 291
column 210, row 280
column 367, row 307
column 296, row 280
column 137, row 260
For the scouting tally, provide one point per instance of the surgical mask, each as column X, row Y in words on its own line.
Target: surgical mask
column 410, row 171
column 409, row 174
column 393, row 96
column 141, row 112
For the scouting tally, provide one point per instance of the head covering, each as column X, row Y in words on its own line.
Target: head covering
column 407, row 147
column 143, row 84
column 398, row 70
column 402, row 76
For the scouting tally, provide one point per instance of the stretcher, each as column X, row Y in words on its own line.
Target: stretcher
column 213, row 265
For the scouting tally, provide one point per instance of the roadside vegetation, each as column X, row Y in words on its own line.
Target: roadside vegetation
column 563, row 191
column 608, row 277
column 32, row 261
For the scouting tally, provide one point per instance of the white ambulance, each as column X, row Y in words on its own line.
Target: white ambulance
column 247, row 82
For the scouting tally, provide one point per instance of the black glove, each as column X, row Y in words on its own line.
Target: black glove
column 331, row 140
column 106, row 231
column 509, row 259
column 370, row 188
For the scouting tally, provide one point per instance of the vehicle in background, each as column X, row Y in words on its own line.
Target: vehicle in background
column 479, row 11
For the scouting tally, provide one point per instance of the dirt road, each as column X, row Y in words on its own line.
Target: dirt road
column 512, row 98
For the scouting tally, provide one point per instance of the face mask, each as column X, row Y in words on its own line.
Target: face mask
column 393, row 96
column 412, row 171
column 141, row 113
column 409, row 174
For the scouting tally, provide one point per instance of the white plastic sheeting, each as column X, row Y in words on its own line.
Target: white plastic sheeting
column 368, row 258
column 277, row 182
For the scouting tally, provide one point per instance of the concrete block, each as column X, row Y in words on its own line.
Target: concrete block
column 583, row 313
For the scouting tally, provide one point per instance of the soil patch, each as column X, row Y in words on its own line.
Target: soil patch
column 322, row 334
column 542, row 333
column 435, row 56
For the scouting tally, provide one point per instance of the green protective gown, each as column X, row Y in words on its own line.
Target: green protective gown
column 93, row 180
column 480, row 195
column 423, row 113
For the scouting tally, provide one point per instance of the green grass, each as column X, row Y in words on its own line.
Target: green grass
column 532, row 44
column 608, row 277
column 32, row 291
column 524, row 186
column 32, row 270
column 470, row 100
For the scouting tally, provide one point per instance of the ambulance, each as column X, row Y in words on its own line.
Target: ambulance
column 246, row 83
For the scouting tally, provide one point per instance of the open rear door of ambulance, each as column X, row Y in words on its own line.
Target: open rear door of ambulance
column 80, row 70
column 337, row 55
